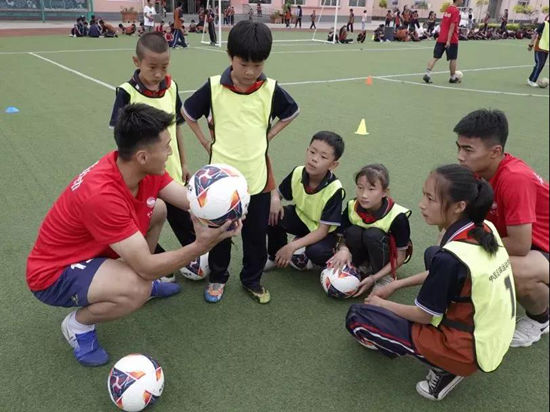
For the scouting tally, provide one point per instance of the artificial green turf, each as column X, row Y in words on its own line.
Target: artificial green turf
column 293, row 354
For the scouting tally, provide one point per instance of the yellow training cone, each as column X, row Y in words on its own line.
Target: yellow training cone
column 362, row 129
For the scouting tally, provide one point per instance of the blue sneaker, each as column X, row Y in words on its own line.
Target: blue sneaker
column 213, row 292
column 163, row 289
column 86, row 348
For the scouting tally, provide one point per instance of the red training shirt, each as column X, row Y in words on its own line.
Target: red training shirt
column 451, row 15
column 521, row 197
column 96, row 209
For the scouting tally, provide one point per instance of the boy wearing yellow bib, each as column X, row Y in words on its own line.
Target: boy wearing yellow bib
column 464, row 316
column 317, row 210
column 240, row 107
column 153, row 86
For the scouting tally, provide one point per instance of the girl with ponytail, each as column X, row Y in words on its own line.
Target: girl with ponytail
column 463, row 317
column 458, row 185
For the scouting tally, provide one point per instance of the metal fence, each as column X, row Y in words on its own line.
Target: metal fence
column 45, row 9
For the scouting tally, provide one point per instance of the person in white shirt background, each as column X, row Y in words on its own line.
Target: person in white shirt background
column 364, row 20
column 149, row 13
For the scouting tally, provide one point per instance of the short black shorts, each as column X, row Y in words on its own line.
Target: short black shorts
column 452, row 51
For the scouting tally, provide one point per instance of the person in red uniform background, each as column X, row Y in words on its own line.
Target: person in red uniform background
column 520, row 212
column 447, row 42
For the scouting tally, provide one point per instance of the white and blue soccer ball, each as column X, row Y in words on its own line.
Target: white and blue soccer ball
column 135, row 382
column 218, row 193
column 198, row 269
column 300, row 261
column 342, row 283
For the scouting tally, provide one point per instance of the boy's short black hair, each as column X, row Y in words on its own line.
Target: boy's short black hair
column 139, row 125
column 333, row 140
column 491, row 126
column 153, row 41
column 251, row 41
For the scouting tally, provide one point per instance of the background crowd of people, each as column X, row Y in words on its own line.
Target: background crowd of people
column 174, row 32
column 398, row 25
column 97, row 28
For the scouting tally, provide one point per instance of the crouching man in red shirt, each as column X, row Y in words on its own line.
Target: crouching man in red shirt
column 94, row 248
column 520, row 213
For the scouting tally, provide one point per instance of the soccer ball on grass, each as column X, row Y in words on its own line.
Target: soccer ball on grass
column 135, row 381
column 341, row 283
column 198, row 269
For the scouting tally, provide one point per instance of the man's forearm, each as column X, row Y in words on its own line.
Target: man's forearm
column 154, row 266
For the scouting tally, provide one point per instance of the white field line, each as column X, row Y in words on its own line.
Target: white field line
column 107, row 85
column 461, row 89
column 218, row 50
column 283, row 41
column 384, row 77
column 480, row 69
column 64, row 51
column 348, row 79
column 298, row 44
column 347, row 50
column 86, row 50
column 211, row 49
column 389, row 76
column 293, row 42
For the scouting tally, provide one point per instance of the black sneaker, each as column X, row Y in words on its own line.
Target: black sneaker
column 438, row 384
column 455, row 80
column 427, row 79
